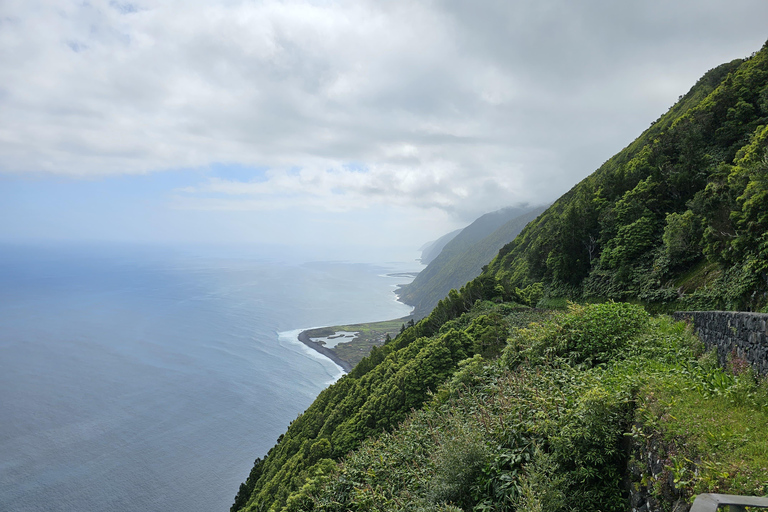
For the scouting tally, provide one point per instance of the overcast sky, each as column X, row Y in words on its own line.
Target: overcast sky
column 333, row 123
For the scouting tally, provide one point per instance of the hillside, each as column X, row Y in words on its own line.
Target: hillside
column 463, row 257
column 431, row 250
column 554, row 423
column 522, row 416
column 677, row 219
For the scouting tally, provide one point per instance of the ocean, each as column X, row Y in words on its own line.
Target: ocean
column 147, row 379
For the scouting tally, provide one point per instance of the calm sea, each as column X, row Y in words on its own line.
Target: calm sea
column 149, row 380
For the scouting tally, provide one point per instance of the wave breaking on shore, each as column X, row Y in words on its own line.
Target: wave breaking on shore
column 335, row 366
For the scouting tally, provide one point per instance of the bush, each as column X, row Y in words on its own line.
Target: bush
column 542, row 486
column 459, row 463
column 595, row 332
column 552, row 303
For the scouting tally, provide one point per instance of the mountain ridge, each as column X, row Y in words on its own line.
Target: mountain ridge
column 680, row 199
column 431, row 250
column 463, row 257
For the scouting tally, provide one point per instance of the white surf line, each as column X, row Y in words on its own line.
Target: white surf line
column 290, row 339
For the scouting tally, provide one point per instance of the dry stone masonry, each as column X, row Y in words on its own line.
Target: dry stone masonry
column 744, row 335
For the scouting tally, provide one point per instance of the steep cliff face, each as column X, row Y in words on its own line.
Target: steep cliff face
column 676, row 220
column 463, row 257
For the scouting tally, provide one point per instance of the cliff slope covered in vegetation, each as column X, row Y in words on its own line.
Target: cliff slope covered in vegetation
column 464, row 256
column 554, row 423
column 678, row 219
column 432, row 250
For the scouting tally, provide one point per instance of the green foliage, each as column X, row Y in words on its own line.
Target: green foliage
column 549, row 435
column 715, row 423
column 530, row 295
column 677, row 219
column 459, row 465
column 246, row 488
column 378, row 394
column 587, row 334
column 489, row 334
column 542, row 486
column 552, row 303
column 320, row 449
column 542, row 428
column 596, row 332
column 693, row 186
column 682, row 236
column 318, row 477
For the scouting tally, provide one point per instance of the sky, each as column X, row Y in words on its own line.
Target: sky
column 355, row 129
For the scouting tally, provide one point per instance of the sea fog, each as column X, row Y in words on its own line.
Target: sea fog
column 143, row 379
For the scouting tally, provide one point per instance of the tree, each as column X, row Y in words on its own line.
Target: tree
column 682, row 237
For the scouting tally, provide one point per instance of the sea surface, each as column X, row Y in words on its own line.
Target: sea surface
column 146, row 379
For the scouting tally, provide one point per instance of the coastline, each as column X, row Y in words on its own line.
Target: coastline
column 330, row 354
column 360, row 350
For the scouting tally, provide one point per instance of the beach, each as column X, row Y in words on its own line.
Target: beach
column 327, row 352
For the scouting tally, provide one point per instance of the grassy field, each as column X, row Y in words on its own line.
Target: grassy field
column 368, row 335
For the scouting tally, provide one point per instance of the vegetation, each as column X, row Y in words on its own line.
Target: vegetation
column 713, row 425
column 431, row 250
column 677, row 220
column 543, row 426
column 486, row 404
column 378, row 394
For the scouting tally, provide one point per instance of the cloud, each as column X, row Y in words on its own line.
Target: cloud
column 459, row 106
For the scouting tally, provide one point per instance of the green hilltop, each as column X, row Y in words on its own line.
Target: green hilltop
column 489, row 404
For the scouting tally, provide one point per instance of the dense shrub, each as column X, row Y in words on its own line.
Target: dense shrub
column 596, row 332
column 549, row 432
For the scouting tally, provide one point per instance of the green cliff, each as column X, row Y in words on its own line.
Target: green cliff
column 463, row 257
column 541, row 416
column 676, row 220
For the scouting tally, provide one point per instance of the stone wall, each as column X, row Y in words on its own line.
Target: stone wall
column 649, row 482
column 743, row 334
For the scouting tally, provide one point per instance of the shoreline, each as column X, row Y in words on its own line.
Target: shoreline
column 327, row 352
column 331, row 354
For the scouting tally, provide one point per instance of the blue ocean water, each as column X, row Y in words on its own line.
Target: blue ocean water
column 146, row 379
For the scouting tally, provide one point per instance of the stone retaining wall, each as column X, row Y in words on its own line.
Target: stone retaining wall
column 649, row 482
column 743, row 334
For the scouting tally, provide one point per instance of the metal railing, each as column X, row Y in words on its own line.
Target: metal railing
column 711, row 502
